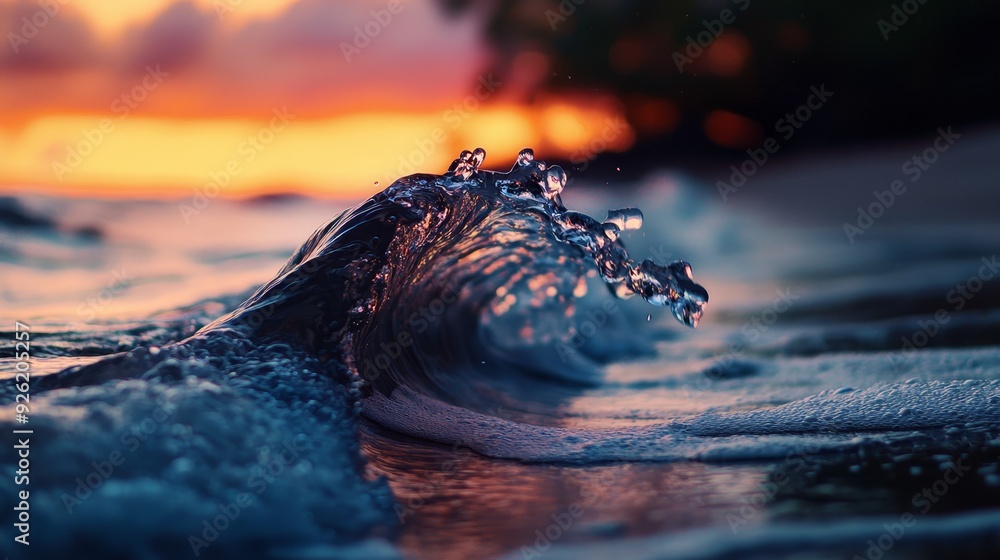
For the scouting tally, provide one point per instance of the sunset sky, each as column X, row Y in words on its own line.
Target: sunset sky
column 163, row 97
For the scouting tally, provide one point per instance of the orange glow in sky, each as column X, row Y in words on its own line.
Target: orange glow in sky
column 112, row 17
column 166, row 97
column 343, row 155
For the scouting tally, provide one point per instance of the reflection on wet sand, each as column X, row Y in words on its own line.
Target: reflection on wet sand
column 454, row 503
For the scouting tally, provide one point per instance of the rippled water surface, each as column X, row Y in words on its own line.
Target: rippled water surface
column 456, row 368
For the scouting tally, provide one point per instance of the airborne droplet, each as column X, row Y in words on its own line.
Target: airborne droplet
column 464, row 166
column 478, row 155
column 611, row 231
column 625, row 218
column 525, row 156
column 670, row 285
column 555, row 181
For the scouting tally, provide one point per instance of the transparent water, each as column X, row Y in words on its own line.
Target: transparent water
column 454, row 369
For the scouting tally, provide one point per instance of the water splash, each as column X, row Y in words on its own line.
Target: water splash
column 625, row 218
column 531, row 179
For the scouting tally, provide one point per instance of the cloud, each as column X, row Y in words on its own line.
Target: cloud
column 39, row 41
column 419, row 57
column 181, row 35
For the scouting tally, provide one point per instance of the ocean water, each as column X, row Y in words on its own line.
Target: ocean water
column 480, row 365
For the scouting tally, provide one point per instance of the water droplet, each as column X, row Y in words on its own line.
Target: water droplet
column 463, row 166
column 681, row 268
column 622, row 291
column 662, row 285
column 625, row 218
column 478, row 155
column 555, row 181
column 611, row 231
column 649, row 317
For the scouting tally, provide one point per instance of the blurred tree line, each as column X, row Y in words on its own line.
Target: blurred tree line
column 897, row 68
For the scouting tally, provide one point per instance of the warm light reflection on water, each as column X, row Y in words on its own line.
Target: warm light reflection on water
column 456, row 504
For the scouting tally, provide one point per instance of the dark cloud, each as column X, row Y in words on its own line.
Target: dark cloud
column 37, row 41
column 178, row 37
column 415, row 58
column 325, row 52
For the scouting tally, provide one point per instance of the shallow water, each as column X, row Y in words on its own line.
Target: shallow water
column 524, row 411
